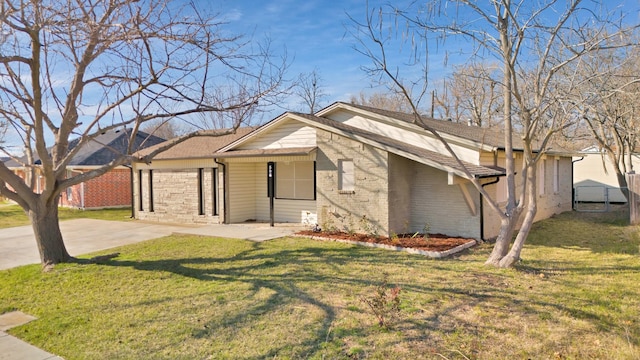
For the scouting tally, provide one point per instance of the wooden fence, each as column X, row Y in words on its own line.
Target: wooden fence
column 633, row 183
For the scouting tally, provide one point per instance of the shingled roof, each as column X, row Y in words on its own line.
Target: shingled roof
column 202, row 146
column 102, row 149
column 487, row 136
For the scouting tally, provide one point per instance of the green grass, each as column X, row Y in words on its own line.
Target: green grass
column 13, row 215
column 573, row 296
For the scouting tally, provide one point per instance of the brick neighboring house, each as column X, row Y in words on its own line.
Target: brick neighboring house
column 112, row 189
column 364, row 169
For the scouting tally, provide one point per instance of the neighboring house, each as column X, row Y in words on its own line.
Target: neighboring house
column 112, row 189
column 183, row 183
column 362, row 169
column 594, row 177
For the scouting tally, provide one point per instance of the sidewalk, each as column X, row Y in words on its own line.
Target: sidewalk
column 12, row 348
column 86, row 235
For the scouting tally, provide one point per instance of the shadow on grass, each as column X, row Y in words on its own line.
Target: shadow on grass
column 318, row 269
column 262, row 270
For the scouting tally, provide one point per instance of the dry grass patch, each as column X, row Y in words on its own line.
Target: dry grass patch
column 573, row 296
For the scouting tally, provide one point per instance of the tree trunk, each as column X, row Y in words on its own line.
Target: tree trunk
column 514, row 254
column 622, row 183
column 532, row 208
column 501, row 247
column 46, row 228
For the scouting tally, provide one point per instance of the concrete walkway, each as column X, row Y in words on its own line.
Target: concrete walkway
column 18, row 247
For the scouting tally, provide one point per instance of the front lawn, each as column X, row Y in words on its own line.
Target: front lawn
column 573, row 296
column 13, row 215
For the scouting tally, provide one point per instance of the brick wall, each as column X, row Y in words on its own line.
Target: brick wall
column 113, row 189
column 363, row 210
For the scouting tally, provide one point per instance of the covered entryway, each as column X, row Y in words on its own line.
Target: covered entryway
column 247, row 191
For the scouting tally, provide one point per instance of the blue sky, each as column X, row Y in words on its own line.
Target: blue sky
column 315, row 34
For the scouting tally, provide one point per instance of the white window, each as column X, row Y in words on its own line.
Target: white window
column 296, row 180
column 346, row 175
column 541, row 176
column 556, row 176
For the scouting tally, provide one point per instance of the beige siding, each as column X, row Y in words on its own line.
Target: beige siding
column 440, row 206
column 242, row 189
column 400, row 179
column 553, row 202
column 548, row 204
column 406, row 135
column 488, row 158
column 290, row 133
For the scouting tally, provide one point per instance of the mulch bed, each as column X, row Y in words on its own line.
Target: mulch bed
column 434, row 242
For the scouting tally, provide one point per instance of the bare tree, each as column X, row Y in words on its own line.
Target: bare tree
column 165, row 128
column 73, row 69
column 607, row 93
column 471, row 93
column 533, row 44
column 310, row 90
column 391, row 101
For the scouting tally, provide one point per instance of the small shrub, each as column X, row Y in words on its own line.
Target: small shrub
column 350, row 226
column 384, row 302
column 327, row 222
column 395, row 240
column 368, row 227
column 425, row 230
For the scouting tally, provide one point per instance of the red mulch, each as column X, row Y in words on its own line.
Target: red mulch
column 435, row 242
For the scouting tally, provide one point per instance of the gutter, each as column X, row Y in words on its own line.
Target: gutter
column 482, row 207
column 224, row 190
column 573, row 189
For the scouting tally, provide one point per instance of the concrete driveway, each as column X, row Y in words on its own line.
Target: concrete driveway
column 18, row 246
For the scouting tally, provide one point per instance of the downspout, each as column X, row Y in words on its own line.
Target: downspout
column 573, row 189
column 133, row 215
column 224, row 190
column 482, row 207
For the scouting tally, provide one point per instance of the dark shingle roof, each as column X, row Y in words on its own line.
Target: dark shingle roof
column 488, row 136
column 102, row 149
column 203, row 146
column 109, row 145
column 393, row 144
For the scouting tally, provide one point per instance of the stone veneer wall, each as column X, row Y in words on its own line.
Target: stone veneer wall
column 175, row 196
column 365, row 210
